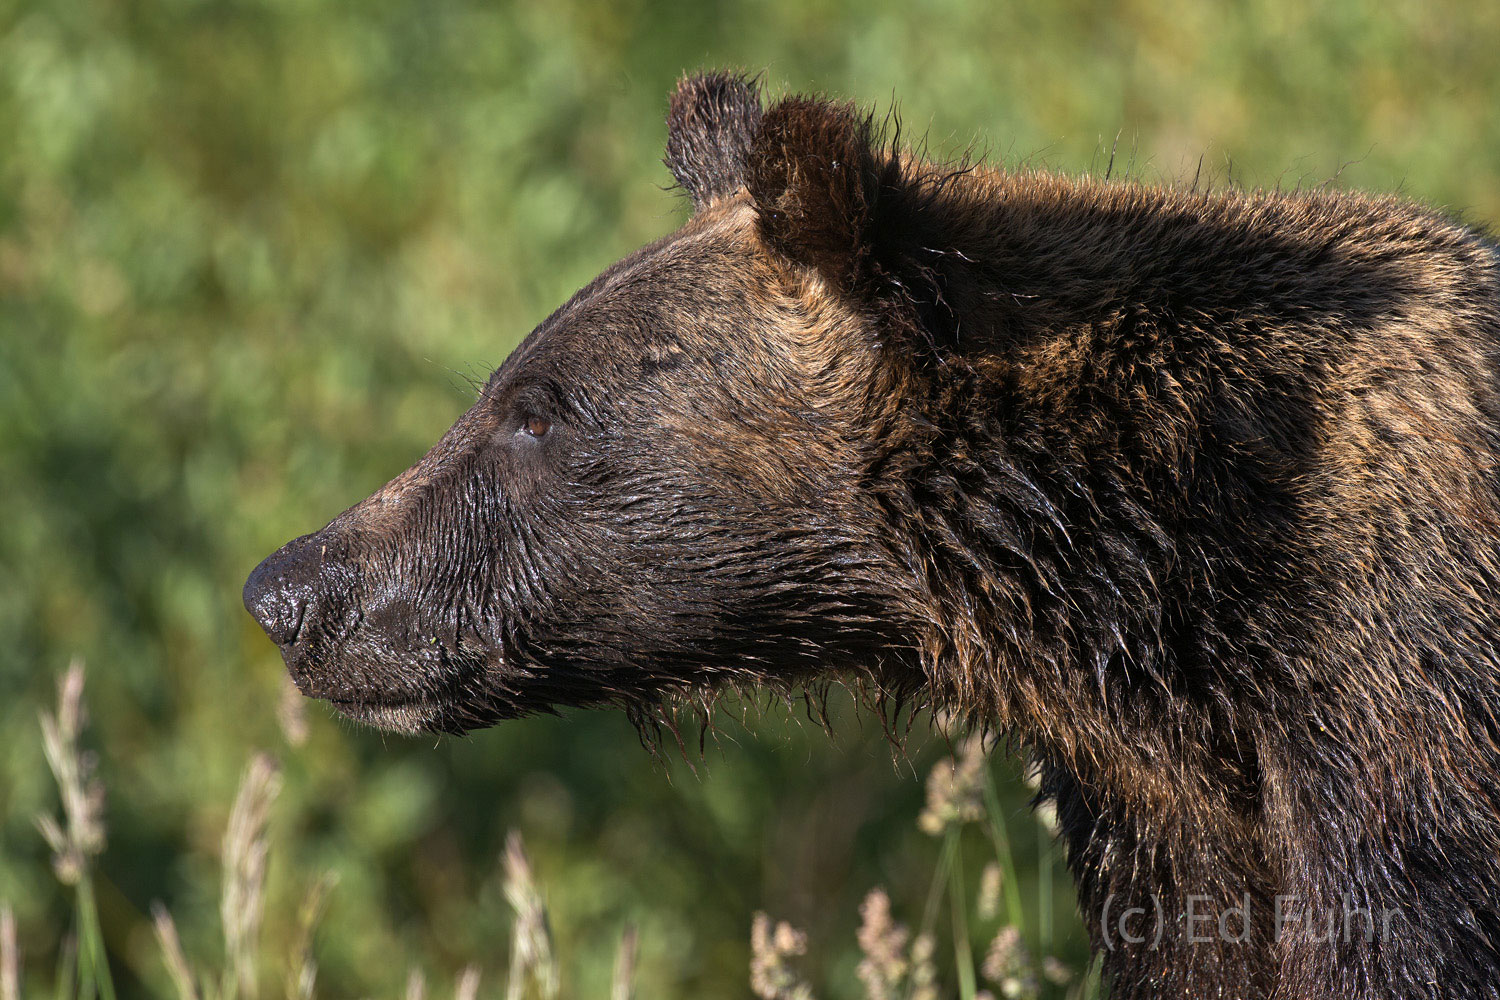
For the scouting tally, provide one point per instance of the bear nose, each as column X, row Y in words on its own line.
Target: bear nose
column 280, row 589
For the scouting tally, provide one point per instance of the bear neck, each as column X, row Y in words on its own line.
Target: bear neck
column 1127, row 398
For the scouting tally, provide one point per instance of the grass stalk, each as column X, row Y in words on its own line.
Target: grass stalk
column 963, row 951
column 178, row 969
column 939, row 882
column 1091, row 983
column 1010, row 887
column 1044, row 845
column 94, row 975
column 940, row 877
column 66, row 984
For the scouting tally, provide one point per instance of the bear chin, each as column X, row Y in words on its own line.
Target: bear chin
column 431, row 714
column 407, row 718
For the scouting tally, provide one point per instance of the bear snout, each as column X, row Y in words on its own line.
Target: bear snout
column 301, row 596
column 310, row 598
column 280, row 589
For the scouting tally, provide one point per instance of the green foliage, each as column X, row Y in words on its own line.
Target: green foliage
column 251, row 254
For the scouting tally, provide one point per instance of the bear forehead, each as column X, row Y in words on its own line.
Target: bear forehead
column 706, row 294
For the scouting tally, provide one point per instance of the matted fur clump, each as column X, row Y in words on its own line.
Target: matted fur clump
column 1195, row 494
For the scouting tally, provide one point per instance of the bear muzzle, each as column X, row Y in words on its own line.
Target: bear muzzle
column 280, row 590
column 300, row 597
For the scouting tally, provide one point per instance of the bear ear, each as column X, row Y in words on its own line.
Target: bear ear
column 711, row 123
column 822, row 187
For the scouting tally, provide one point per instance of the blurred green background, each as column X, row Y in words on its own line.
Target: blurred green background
column 250, row 254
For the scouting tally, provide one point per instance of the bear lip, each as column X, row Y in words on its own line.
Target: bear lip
column 410, row 716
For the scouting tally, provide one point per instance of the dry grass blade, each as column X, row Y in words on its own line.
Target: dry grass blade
column 302, row 976
column 923, row 985
column 10, row 957
column 882, row 942
column 772, row 946
column 291, row 713
column 468, row 984
column 416, row 985
column 245, row 848
column 81, row 834
column 171, row 949
column 622, row 985
column 531, row 957
column 955, row 789
column 1008, row 965
column 991, row 882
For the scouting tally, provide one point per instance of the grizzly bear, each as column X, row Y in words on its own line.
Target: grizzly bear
column 1196, row 493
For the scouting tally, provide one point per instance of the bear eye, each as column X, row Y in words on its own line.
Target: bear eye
column 536, row 426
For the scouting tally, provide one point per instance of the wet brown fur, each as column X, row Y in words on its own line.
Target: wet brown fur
column 1193, row 493
column 1169, row 380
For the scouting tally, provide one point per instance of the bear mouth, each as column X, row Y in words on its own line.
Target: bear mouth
column 401, row 692
column 408, row 717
